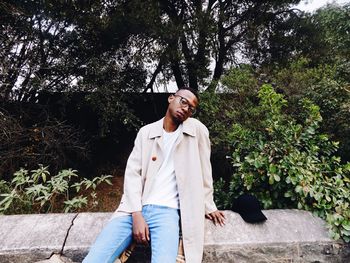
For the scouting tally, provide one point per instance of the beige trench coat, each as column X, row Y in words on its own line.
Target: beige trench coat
column 193, row 175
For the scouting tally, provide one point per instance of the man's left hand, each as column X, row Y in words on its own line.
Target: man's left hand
column 218, row 217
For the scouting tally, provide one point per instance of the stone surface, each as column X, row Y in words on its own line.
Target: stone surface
column 281, row 253
column 29, row 238
column 284, row 225
column 86, row 227
column 55, row 258
column 287, row 236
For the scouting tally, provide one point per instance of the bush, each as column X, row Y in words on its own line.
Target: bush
column 39, row 192
column 26, row 140
column 327, row 86
column 220, row 111
column 289, row 164
column 333, row 98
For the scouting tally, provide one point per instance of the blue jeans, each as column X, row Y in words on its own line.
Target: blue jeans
column 116, row 236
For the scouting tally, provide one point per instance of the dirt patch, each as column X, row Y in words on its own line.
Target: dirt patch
column 108, row 196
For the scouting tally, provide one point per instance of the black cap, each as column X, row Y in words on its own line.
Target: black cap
column 249, row 208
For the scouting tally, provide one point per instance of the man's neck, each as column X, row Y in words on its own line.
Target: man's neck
column 169, row 125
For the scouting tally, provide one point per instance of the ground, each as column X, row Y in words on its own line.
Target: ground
column 108, row 196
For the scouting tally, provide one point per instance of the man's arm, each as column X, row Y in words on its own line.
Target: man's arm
column 131, row 200
column 140, row 228
column 211, row 211
column 218, row 217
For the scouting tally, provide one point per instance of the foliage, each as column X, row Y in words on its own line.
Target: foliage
column 242, row 81
column 333, row 98
column 297, row 77
column 64, row 46
column 210, row 109
column 25, row 142
column 321, row 36
column 192, row 33
column 54, row 45
column 68, row 47
column 332, row 24
column 113, row 111
column 288, row 164
column 326, row 86
column 37, row 191
column 234, row 103
column 220, row 110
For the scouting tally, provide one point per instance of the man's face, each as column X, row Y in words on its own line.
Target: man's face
column 181, row 105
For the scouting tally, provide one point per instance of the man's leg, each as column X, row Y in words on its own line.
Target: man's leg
column 163, row 223
column 115, row 237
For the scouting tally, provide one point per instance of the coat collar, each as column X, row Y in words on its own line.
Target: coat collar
column 187, row 127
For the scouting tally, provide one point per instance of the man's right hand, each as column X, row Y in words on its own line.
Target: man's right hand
column 140, row 228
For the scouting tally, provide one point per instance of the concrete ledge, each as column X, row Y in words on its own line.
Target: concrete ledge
column 28, row 238
column 287, row 236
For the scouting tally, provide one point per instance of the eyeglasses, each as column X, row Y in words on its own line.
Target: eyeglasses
column 185, row 104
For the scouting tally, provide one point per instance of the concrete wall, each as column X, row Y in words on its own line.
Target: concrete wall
column 287, row 236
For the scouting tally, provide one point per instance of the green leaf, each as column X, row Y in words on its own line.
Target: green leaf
column 298, row 189
column 287, row 194
column 346, row 225
column 272, row 169
column 345, row 232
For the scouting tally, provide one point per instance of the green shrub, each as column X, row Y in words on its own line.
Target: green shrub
column 38, row 191
column 288, row 164
column 325, row 85
column 333, row 98
column 233, row 103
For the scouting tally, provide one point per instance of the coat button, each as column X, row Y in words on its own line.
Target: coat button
column 154, row 158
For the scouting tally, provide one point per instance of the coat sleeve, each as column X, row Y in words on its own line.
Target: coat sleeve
column 204, row 150
column 131, row 199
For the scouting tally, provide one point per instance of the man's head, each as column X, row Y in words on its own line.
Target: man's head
column 182, row 104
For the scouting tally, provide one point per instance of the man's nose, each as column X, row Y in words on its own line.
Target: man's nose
column 186, row 108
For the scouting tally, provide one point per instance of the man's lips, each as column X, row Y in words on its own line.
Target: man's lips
column 182, row 115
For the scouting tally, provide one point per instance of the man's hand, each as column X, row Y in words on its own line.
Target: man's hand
column 218, row 217
column 140, row 228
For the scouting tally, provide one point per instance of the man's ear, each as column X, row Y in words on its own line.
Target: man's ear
column 171, row 98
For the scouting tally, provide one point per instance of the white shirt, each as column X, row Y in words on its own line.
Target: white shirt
column 164, row 191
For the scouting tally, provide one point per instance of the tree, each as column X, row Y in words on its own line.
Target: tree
column 49, row 44
column 56, row 46
column 61, row 47
column 332, row 23
column 319, row 69
column 322, row 37
column 188, row 36
column 33, row 50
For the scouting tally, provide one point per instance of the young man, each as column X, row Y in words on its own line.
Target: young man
column 167, row 186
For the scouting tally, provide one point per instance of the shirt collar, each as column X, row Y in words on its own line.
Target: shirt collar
column 187, row 127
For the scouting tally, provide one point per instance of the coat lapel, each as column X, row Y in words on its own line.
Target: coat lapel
column 156, row 160
column 156, row 133
column 187, row 129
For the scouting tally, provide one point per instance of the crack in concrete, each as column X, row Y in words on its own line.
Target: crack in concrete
column 52, row 253
column 67, row 234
